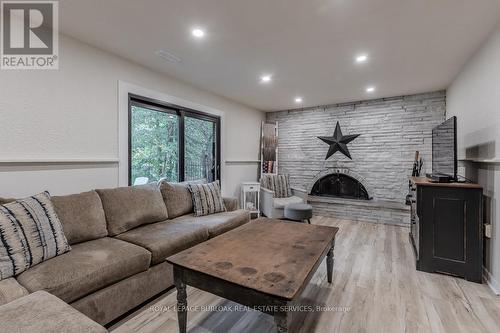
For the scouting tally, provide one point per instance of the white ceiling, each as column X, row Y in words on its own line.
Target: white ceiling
column 307, row 45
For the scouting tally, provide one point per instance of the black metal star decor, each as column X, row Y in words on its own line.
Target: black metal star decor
column 338, row 142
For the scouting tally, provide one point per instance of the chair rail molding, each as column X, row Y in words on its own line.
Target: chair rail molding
column 239, row 162
column 60, row 160
column 481, row 160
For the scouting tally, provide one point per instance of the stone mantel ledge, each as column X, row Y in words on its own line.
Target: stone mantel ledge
column 375, row 204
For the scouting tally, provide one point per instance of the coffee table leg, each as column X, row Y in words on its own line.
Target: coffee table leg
column 181, row 304
column 329, row 263
column 281, row 320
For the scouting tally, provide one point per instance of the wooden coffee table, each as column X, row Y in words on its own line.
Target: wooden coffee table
column 264, row 264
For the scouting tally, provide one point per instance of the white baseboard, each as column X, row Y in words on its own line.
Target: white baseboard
column 490, row 280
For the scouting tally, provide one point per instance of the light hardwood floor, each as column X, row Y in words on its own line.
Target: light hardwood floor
column 375, row 289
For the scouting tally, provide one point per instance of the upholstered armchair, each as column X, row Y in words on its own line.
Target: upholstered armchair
column 272, row 202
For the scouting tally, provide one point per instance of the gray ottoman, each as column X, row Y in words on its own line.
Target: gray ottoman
column 299, row 212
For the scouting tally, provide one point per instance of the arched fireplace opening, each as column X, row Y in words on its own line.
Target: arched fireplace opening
column 340, row 185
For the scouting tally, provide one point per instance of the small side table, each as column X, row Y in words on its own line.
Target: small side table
column 250, row 197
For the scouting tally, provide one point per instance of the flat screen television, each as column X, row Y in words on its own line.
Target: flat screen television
column 444, row 149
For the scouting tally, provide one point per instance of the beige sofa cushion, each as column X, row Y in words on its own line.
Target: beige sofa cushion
column 219, row 223
column 42, row 312
column 231, row 204
column 89, row 266
column 6, row 200
column 111, row 302
column 166, row 238
column 82, row 216
column 130, row 207
column 177, row 198
column 10, row 290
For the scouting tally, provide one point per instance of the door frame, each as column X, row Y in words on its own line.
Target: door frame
column 181, row 112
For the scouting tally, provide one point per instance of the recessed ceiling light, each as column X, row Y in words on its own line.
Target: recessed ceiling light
column 198, row 33
column 298, row 100
column 265, row 78
column 370, row 89
column 361, row 58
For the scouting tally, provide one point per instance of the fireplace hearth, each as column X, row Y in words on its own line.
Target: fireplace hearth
column 344, row 194
column 340, row 185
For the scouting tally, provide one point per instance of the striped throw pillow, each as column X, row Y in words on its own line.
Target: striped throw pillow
column 30, row 232
column 207, row 198
column 280, row 184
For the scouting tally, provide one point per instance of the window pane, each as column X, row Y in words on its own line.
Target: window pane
column 154, row 145
column 199, row 149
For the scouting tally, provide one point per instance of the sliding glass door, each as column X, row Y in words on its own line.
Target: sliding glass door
column 167, row 141
column 154, row 144
column 200, row 138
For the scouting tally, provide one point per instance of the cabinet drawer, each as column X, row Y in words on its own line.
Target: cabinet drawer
column 251, row 188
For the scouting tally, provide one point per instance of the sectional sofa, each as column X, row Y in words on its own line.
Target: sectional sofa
column 120, row 238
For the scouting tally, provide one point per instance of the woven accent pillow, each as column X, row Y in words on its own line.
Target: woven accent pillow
column 280, row 184
column 207, row 198
column 30, row 232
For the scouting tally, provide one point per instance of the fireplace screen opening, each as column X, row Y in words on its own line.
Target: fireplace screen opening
column 341, row 186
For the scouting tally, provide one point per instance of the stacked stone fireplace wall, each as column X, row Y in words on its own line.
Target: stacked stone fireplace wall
column 391, row 129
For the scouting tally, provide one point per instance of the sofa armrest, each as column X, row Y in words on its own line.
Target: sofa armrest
column 266, row 201
column 231, row 204
column 300, row 192
column 266, row 196
column 10, row 290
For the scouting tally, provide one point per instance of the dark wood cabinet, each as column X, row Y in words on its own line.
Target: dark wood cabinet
column 446, row 228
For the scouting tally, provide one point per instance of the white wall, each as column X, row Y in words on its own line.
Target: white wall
column 72, row 113
column 474, row 97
